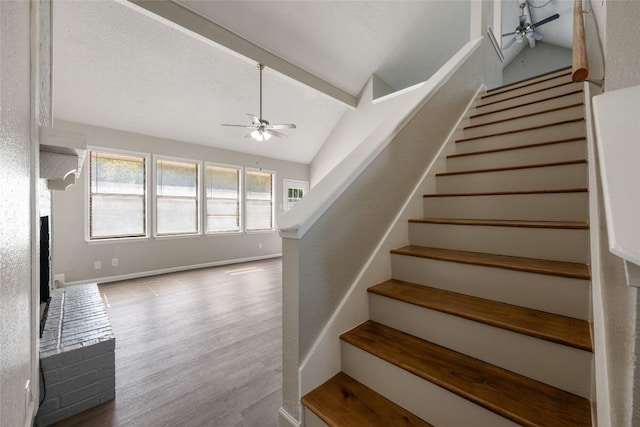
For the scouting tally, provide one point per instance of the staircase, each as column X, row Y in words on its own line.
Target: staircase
column 485, row 321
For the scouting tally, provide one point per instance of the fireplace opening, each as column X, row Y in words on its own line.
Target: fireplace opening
column 45, row 270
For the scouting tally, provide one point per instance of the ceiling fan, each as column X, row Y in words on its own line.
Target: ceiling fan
column 526, row 29
column 262, row 129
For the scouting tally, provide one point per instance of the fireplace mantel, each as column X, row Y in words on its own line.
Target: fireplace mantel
column 62, row 154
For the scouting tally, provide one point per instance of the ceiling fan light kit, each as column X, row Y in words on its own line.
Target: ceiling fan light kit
column 262, row 129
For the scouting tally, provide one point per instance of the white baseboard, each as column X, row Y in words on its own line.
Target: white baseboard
column 285, row 419
column 169, row 270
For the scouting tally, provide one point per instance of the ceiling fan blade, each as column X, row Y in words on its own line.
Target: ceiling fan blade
column 278, row 134
column 545, row 20
column 238, row 126
column 509, row 34
column 249, row 135
column 282, row 126
column 509, row 43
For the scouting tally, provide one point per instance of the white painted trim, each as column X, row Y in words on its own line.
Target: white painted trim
column 600, row 380
column 181, row 17
column 296, row 223
column 495, row 43
column 171, row 270
column 285, row 419
column 315, row 368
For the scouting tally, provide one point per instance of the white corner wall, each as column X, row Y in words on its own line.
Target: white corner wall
column 74, row 257
column 533, row 62
column 16, row 329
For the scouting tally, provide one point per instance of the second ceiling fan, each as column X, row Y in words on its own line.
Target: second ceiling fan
column 526, row 29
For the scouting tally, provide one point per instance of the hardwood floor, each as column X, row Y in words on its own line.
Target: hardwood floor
column 195, row 348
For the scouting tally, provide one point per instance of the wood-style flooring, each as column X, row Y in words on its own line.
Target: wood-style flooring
column 195, row 348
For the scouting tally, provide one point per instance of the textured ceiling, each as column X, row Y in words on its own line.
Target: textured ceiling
column 119, row 66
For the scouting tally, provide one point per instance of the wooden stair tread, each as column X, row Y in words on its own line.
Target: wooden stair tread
column 539, row 324
column 571, row 225
column 474, row 116
column 508, row 193
column 531, row 265
column 517, row 147
column 343, row 401
column 519, row 82
column 563, row 122
column 488, row 97
column 511, row 168
column 549, row 110
column 518, row 398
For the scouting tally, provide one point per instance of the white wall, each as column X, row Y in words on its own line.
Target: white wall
column 622, row 69
column 16, row 329
column 75, row 257
column 533, row 62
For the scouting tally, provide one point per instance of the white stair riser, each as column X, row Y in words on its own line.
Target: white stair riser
column 426, row 400
column 558, row 132
column 541, row 243
column 525, row 90
column 541, row 119
column 529, row 108
column 539, row 178
column 558, row 365
column 540, row 207
column 553, row 294
column 520, row 157
column 312, row 420
column 529, row 82
column 526, row 99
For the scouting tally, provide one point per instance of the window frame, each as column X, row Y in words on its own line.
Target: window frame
column 154, row 197
column 248, row 170
column 241, row 197
column 87, row 196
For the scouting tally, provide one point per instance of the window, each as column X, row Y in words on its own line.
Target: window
column 223, row 199
column 259, row 200
column 294, row 191
column 117, row 195
column 176, row 197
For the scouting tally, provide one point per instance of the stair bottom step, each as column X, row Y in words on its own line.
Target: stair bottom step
column 343, row 401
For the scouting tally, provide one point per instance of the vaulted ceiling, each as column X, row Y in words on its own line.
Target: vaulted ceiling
column 120, row 66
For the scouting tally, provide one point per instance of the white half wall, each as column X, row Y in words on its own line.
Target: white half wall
column 74, row 256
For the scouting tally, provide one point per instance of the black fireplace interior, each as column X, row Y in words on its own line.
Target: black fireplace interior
column 45, row 270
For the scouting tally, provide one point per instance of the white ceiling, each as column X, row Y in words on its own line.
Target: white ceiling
column 558, row 32
column 118, row 66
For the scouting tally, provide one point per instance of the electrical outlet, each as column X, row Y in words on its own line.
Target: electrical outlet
column 97, row 265
column 114, row 262
column 259, row 245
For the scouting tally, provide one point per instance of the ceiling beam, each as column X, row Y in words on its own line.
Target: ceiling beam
column 194, row 22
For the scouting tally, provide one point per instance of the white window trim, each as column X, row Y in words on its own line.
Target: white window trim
column 273, row 202
column 154, row 197
column 87, row 191
column 241, row 195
